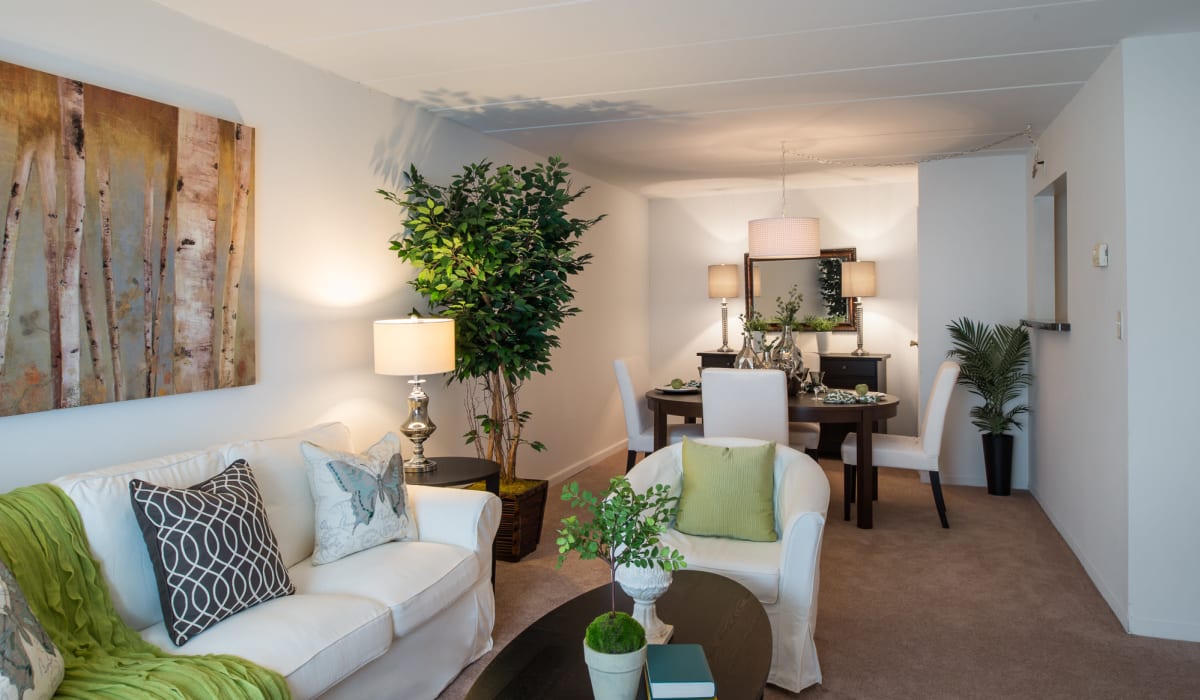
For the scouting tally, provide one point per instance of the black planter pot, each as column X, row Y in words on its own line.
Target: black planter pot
column 997, row 460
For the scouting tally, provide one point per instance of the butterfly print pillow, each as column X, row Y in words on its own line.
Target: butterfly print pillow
column 360, row 499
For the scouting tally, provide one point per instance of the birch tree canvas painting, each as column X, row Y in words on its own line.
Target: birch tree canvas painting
column 126, row 267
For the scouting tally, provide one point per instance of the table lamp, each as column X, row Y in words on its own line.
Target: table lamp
column 858, row 281
column 415, row 346
column 723, row 284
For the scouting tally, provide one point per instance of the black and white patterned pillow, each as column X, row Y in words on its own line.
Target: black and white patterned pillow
column 31, row 667
column 213, row 551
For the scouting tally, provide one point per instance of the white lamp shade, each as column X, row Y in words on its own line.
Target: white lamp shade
column 723, row 281
column 858, row 279
column 414, row 346
column 785, row 237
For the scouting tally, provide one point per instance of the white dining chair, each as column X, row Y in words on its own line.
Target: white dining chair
column 749, row 403
column 633, row 381
column 806, row 434
column 920, row 453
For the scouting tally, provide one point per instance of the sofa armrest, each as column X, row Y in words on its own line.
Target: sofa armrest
column 462, row 517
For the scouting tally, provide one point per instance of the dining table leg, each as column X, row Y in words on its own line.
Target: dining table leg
column 865, row 488
column 660, row 428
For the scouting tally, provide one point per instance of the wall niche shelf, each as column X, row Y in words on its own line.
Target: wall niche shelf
column 1059, row 326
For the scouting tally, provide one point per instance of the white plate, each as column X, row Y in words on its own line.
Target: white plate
column 685, row 389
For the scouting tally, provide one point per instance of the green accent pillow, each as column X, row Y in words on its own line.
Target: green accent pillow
column 728, row 492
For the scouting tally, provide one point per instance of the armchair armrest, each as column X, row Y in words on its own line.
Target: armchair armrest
column 462, row 517
column 803, row 501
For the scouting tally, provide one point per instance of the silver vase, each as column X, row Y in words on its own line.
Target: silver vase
column 746, row 357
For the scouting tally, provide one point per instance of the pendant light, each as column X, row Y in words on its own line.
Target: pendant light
column 785, row 236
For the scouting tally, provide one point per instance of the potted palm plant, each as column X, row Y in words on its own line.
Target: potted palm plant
column 623, row 531
column 495, row 250
column 994, row 365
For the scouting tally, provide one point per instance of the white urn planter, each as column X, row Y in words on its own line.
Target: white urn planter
column 614, row 676
column 824, row 341
column 646, row 585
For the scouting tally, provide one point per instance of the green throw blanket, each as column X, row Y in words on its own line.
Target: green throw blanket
column 43, row 542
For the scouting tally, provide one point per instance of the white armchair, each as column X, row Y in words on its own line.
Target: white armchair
column 784, row 575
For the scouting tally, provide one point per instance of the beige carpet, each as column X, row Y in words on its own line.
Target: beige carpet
column 995, row 607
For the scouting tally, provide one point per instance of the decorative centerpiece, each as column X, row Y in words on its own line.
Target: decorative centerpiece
column 786, row 355
column 623, row 533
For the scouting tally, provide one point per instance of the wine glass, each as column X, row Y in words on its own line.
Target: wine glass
column 816, row 380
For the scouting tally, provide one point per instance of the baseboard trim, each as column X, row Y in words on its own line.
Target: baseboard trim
column 562, row 475
column 1115, row 604
column 1164, row 629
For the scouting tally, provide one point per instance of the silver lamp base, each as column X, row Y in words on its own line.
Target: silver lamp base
column 418, row 427
column 858, row 326
column 724, row 327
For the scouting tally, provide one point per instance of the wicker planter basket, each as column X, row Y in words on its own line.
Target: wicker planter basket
column 520, row 523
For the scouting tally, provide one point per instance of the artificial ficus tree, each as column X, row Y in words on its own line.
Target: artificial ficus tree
column 495, row 250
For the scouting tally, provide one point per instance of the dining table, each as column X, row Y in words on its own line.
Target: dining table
column 802, row 407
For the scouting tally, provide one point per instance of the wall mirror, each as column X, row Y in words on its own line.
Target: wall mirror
column 819, row 280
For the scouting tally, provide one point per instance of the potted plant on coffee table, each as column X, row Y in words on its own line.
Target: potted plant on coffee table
column 624, row 531
column 994, row 365
column 495, row 250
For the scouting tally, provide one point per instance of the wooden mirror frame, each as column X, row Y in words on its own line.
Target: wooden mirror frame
column 843, row 254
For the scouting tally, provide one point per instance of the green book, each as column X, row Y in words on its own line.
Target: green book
column 678, row 671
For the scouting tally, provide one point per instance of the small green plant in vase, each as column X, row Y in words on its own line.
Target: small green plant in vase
column 786, row 309
column 822, row 327
column 624, row 530
column 821, row 324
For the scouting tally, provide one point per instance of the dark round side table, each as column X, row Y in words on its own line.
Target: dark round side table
column 457, row 471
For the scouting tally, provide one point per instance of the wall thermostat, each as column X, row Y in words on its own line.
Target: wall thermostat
column 1100, row 255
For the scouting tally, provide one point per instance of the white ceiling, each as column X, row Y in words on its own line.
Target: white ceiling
column 684, row 97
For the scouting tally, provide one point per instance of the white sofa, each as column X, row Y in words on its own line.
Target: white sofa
column 784, row 575
column 399, row 620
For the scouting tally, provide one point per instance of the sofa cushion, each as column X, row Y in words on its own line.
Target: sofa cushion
column 314, row 641
column 360, row 499
column 213, row 551
column 415, row 580
column 102, row 499
column 30, row 665
column 728, row 491
column 282, row 477
column 755, row 565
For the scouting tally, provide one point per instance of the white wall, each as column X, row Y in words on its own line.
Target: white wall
column 1080, row 419
column 688, row 235
column 972, row 260
column 1162, row 149
column 324, row 271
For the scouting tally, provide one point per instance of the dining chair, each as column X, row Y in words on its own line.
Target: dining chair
column 749, row 403
column 920, row 453
column 633, row 381
column 806, row 434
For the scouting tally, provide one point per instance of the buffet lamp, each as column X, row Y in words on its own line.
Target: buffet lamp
column 858, row 281
column 723, row 284
column 415, row 347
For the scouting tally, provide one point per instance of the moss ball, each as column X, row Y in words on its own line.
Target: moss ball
column 615, row 633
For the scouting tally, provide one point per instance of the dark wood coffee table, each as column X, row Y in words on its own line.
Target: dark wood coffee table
column 546, row 660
